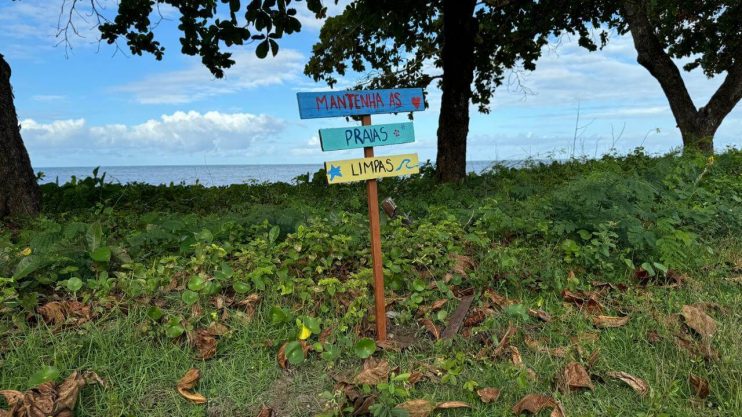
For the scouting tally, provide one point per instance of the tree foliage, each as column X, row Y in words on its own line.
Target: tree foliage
column 208, row 26
column 708, row 33
column 399, row 42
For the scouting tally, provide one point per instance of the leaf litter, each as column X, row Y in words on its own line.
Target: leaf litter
column 49, row 398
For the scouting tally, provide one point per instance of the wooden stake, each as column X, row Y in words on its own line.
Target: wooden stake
column 375, row 228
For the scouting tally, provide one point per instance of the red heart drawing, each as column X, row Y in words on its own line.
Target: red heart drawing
column 416, row 102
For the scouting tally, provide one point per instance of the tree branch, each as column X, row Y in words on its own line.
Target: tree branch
column 652, row 56
column 726, row 97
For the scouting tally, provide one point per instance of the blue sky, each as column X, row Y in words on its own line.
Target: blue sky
column 92, row 106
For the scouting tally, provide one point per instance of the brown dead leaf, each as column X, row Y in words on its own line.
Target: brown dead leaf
column 53, row 313
column 539, row 314
column 638, row 384
column 534, row 403
column 477, row 316
column 500, row 301
column 205, row 343
column 574, row 377
column 699, row 321
column 217, row 329
column 610, row 321
column 48, row 399
column 452, row 404
column 281, row 356
column 515, row 356
column 432, row 328
column 462, row 264
column 702, row 349
column 438, row 304
column 265, row 411
column 187, row 383
column 417, row 408
column 585, row 300
column 374, row 372
column 700, row 386
column 68, row 391
column 488, row 395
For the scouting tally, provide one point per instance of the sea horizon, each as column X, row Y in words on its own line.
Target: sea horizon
column 211, row 175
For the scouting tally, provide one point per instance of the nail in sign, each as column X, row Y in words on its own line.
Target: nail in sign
column 358, row 103
column 360, row 169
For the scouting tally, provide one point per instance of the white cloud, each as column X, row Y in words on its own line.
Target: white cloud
column 180, row 133
column 196, row 82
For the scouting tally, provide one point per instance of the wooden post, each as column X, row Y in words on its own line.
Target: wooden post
column 375, row 228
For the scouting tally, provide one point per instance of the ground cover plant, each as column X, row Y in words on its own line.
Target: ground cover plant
column 602, row 287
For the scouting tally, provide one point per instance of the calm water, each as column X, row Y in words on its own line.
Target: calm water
column 208, row 175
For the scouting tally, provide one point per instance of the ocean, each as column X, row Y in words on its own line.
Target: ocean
column 207, row 175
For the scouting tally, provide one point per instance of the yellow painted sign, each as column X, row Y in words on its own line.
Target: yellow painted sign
column 350, row 170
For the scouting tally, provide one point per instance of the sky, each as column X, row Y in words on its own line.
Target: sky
column 93, row 105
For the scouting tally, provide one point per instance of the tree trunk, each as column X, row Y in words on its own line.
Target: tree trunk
column 459, row 30
column 19, row 191
column 697, row 126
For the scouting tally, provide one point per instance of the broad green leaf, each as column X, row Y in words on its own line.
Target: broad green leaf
column 45, row 374
column 262, row 50
column 174, row 330
column 189, row 297
column 273, row 234
column 73, row 284
column 94, row 236
column 241, row 287
column 278, row 315
column 101, row 254
column 155, row 313
column 196, row 283
column 364, row 348
column 294, row 353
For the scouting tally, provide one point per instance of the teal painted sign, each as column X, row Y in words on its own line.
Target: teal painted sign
column 359, row 103
column 338, row 139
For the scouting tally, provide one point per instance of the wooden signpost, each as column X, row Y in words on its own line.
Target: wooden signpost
column 365, row 103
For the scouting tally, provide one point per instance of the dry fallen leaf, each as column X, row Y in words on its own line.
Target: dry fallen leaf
column 374, row 372
column 12, row 397
column 265, row 412
column 438, row 304
column 432, row 328
column 497, row 299
column 187, row 383
column 699, row 385
column 477, row 316
column 452, row 404
column 488, row 395
column 574, row 377
column 534, row 403
column 281, row 356
column 417, row 408
column 699, row 321
column 515, row 356
column 539, row 314
column 48, row 399
column 205, row 343
column 585, row 300
column 462, row 264
column 638, row 384
column 610, row 321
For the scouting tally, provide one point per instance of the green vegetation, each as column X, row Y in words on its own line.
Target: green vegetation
column 139, row 283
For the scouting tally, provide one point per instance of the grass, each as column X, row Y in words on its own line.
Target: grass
column 525, row 230
column 141, row 369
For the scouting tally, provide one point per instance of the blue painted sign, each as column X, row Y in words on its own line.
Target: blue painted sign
column 359, row 103
column 353, row 137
